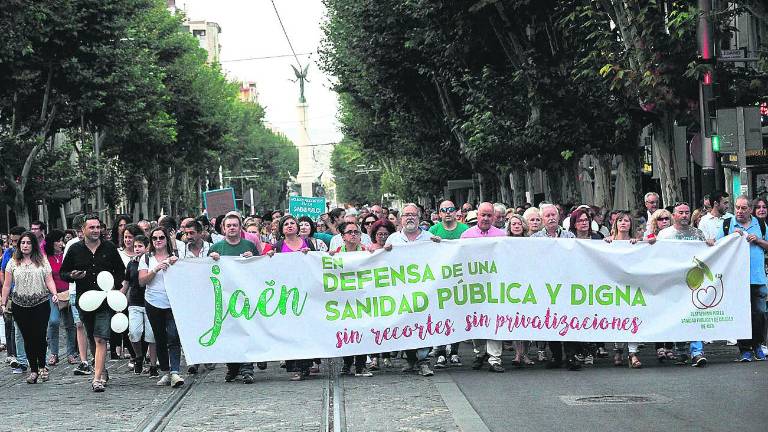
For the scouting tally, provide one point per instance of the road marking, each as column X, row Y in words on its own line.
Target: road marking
column 466, row 418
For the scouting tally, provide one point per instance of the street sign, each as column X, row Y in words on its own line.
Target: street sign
column 732, row 54
column 306, row 206
column 218, row 202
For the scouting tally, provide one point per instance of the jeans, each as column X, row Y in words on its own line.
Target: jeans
column 10, row 335
column 758, row 294
column 57, row 317
column 166, row 337
column 21, row 352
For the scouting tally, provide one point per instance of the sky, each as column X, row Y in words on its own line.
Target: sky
column 250, row 28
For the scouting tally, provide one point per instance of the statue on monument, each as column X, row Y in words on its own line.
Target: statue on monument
column 301, row 76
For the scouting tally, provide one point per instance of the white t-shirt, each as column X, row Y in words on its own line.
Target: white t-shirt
column 155, row 293
column 337, row 241
column 710, row 225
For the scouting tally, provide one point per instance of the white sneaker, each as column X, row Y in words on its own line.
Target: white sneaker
column 165, row 380
column 387, row 363
column 731, row 342
column 542, row 356
column 176, row 380
column 589, row 360
column 9, row 359
column 455, row 360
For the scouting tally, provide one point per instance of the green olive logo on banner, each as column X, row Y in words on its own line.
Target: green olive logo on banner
column 707, row 296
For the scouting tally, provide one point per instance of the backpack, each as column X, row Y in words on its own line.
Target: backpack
column 727, row 226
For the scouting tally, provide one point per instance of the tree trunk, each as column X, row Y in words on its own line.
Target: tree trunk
column 602, row 169
column 505, row 187
column 20, row 209
column 554, row 187
column 629, row 193
column 481, row 188
column 571, row 192
column 664, row 150
column 517, row 178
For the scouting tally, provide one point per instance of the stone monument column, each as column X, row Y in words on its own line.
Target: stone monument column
column 306, row 174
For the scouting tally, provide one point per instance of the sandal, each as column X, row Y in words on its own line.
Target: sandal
column 72, row 360
column 53, row 360
column 32, row 378
column 97, row 386
column 634, row 362
column 297, row 376
column 44, row 374
column 671, row 355
column 527, row 361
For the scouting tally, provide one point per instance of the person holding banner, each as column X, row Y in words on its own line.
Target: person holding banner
column 289, row 241
column 351, row 234
column 517, row 227
column 486, row 349
column 682, row 230
column 308, row 231
column 550, row 216
column 754, row 232
column 417, row 358
column 234, row 245
column 152, row 267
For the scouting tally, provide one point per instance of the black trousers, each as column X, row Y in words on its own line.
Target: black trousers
column 571, row 349
column 33, row 324
column 758, row 306
column 359, row 361
column 10, row 335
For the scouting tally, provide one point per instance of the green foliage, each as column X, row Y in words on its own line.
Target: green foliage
column 354, row 182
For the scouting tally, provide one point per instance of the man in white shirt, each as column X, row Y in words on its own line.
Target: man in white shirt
column 409, row 219
column 711, row 222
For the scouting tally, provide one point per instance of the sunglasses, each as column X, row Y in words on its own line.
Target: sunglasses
column 158, row 238
column 368, row 223
column 662, row 219
column 448, row 209
column 355, row 232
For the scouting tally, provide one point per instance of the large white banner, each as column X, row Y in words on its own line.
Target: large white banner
column 294, row 305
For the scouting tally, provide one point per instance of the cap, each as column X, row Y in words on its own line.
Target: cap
column 471, row 217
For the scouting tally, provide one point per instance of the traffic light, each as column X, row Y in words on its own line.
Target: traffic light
column 715, row 143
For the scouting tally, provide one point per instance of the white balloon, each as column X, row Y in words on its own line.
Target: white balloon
column 105, row 280
column 117, row 300
column 91, row 300
column 119, row 323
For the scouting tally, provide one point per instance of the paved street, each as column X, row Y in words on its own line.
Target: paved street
column 723, row 396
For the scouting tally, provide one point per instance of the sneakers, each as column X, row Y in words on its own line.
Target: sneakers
column 601, row 352
column 496, row 367
column 14, row 363
column 83, row 369
column 699, row 361
column 479, row 361
column 9, row 359
column 589, row 360
column 374, row 364
column 441, row 362
column 176, row 380
column 364, row 372
column 248, row 378
column 153, row 373
column 424, row 370
column 746, row 357
column 230, row 376
column 432, row 352
column 165, row 380
column 263, row 365
column 387, row 362
column 760, row 354
column 542, row 355
column 137, row 368
column 192, row 369
column 455, row 360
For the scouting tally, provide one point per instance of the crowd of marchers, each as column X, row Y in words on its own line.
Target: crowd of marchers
column 45, row 273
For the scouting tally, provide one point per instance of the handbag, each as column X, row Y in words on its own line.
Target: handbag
column 63, row 300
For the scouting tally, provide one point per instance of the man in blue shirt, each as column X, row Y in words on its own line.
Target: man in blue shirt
column 17, row 357
column 754, row 233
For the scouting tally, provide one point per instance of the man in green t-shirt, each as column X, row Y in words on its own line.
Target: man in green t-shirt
column 449, row 228
column 234, row 245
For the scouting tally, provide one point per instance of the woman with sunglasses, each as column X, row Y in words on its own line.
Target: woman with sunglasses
column 350, row 234
column 152, row 268
column 661, row 219
column 518, row 227
column 33, row 294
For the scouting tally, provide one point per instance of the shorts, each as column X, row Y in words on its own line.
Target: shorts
column 97, row 323
column 138, row 323
column 73, row 305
